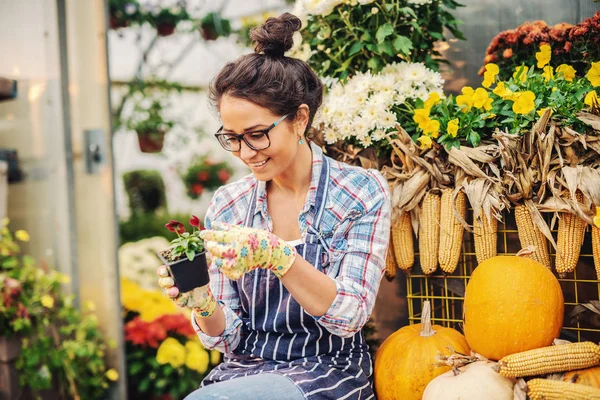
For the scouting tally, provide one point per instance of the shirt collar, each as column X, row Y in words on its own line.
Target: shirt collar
column 317, row 163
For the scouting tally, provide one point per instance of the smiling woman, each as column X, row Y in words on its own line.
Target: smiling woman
column 297, row 247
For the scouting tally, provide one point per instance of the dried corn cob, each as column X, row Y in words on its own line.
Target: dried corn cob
column 485, row 235
column 390, row 261
column 451, row 230
column 530, row 234
column 571, row 231
column 596, row 249
column 403, row 242
column 546, row 389
column 429, row 232
column 546, row 360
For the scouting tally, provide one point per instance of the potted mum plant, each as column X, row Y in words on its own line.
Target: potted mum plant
column 185, row 259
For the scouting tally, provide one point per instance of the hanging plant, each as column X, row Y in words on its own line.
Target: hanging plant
column 150, row 125
column 165, row 20
column 212, row 26
column 124, row 13
column 204, row 174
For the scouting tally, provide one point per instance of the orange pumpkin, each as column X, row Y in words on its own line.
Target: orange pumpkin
column 588, row 376
column 404, row 364
column 512, row 304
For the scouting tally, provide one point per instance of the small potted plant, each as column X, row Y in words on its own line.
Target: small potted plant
column 150, row 126
column 166, row 20
column 123, row 13
column 185, row 259
column 212, row 26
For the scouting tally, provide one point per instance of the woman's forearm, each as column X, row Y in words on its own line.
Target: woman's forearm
column 213, row 325
column 312, row 289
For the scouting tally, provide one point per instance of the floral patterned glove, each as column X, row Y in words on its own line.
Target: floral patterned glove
column 201, row 299
column 239, row 249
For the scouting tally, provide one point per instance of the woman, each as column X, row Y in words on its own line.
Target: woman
column 297, row 247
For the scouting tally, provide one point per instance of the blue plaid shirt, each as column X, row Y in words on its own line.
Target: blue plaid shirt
column 355, row 227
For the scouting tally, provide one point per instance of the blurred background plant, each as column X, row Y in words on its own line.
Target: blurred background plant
column 62, row 349
column 205, row 174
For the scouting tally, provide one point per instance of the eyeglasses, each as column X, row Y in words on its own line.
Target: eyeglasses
column 256, row 140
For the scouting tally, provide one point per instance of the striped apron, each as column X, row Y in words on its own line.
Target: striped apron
column 278, row 336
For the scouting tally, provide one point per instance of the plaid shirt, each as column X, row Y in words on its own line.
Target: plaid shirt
column 355, row 228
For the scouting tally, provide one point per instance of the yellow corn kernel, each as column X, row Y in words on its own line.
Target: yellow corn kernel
column 546, row 389
column 451, row 230
column 429, row 232
column 530, row 234
column 390, row 261
column 485, row 236
column 546, row 360
column 596, row 249
column 571, row 232
column 402, row 235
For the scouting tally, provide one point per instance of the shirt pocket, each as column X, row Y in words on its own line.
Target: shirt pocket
column 337, row 240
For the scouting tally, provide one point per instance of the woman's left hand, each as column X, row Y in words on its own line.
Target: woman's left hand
column 240, row 249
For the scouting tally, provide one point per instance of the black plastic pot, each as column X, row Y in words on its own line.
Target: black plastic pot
column 187, row 274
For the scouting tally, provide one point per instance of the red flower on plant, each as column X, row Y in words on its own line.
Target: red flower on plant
column 175, row 226
column 176, row 323
column 223, row 175
column 508, row 53
column 145, row 334
column 202, row 176
column 195, row 221
column 568, row 47
column 197, row 188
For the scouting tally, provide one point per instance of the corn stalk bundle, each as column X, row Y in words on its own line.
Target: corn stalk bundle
column 482, row 186
column 410, row 177
column 526, row 163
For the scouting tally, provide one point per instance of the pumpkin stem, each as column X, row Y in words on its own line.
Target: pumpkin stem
column 426, row 328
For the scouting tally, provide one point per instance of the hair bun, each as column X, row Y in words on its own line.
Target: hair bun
column 275, row 36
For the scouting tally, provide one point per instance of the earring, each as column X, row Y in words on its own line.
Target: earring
column 301, row 141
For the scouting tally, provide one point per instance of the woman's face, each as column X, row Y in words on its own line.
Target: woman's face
column 242, row 116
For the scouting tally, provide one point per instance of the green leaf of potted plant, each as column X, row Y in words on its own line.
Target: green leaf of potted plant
column 185, row 259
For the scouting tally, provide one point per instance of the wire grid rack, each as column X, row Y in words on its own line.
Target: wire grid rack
column 446, row 293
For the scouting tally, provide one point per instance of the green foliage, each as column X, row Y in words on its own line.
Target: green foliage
column 62, row 348
column 204, row 174
column 145, row 190
column 357, row 38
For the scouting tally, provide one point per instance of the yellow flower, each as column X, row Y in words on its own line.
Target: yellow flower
column 426, row 142
column 89, row 306
column 171, row 352
column 489, row 76
column 22, row 235
column 548, row 73
column 524, row 102
column 63, row 278
column 434, row 98
column 492, row 68
column 521, row 72
column 112, row 375
column 432, row 128
column 567, row 72
column 489, row 116
column 47, row 301
column 591, row 99
column 541, row 111
column 421, row 116
column 502, row 91
column 593, row 74
column 215, row 357
column 197, row 358
column 5, row 221
column 465, row 100
column 481, row 99
column 597, row 218
column 453, row 127
column 543, row 56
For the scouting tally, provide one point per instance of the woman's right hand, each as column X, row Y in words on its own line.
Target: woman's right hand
column 200, row 299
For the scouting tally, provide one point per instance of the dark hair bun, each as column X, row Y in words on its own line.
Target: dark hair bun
column 275, row 36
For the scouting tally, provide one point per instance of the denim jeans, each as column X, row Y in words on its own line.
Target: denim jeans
column 265, row 386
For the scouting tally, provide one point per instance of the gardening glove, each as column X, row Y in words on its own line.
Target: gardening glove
column 239, row 249
column 200, row 299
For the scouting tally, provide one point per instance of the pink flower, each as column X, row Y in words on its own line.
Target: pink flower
column 253, row 242
column 273, row 240
column 230, row 253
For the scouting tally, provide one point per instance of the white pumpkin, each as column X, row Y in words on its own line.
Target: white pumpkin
column 475, row 381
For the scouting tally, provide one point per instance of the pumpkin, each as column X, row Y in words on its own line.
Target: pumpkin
column 474, row 381
column 404, row 364
column 588, row 376
column 512, row 304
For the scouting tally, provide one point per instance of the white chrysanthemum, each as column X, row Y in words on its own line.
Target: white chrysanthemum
column 378, row 134
column 330, row 136
column 420, row 2
column 416, row 72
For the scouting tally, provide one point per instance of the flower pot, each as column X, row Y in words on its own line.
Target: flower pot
column 9, row 379
column 188, row 274
column 116, row 23
column 208, row 33
column 165, row 28
column 151, row 142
